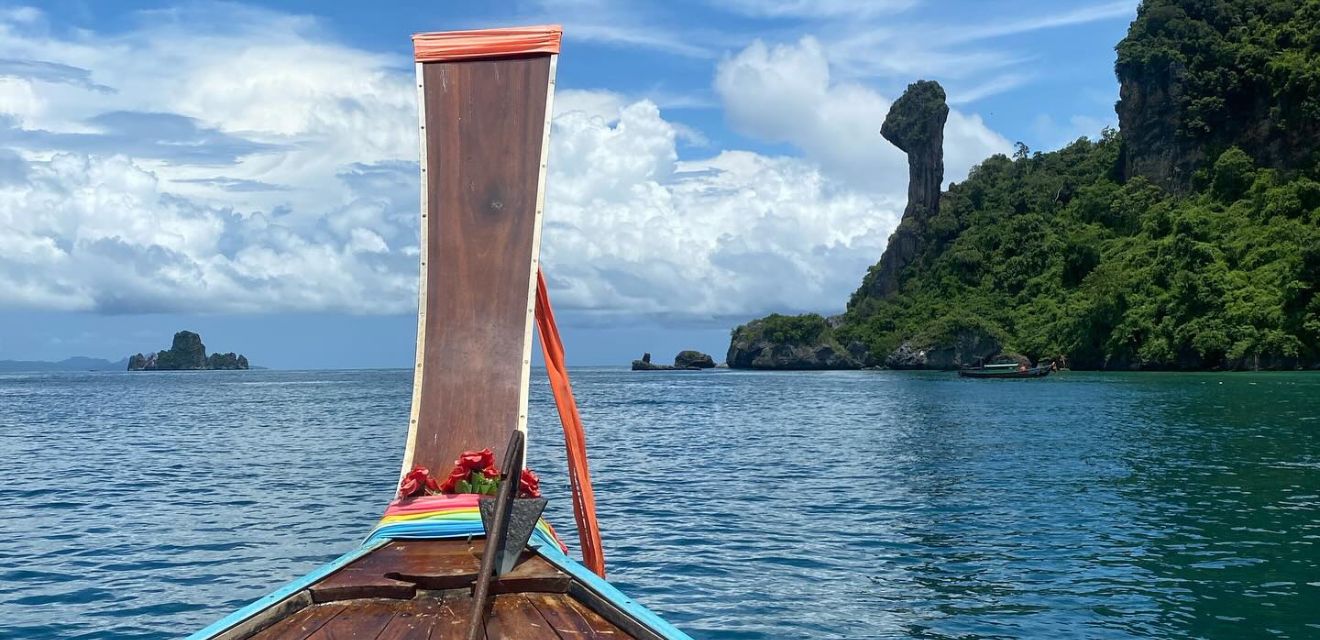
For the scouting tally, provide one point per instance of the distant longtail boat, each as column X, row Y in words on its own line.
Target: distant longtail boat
column 444, row 561
column 1005, row 370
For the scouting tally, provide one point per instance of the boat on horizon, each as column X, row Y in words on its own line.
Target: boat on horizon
column 447, row 559
column 1008, row 370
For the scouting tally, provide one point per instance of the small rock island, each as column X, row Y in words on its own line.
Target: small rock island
column 187, row 353
column 687, row 360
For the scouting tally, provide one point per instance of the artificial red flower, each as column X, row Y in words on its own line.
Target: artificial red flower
column 491, row 472
column 416, row 482
column 529, row 485
column 477, row 460
column 451, row 483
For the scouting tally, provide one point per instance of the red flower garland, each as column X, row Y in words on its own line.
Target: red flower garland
column 418, row 482
column 473, row 472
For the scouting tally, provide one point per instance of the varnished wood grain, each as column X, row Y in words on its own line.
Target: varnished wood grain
column 271, row 615
column 573, row 620
column 302, row 624
column 399, row 568
column 453, row 623
column 413, row 620
column 514, row 617
column 443, row 615
column 484, row 124
column 363, row 621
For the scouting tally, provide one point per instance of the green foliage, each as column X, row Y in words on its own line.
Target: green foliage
column 1233, row 174
column 916, row 116
column 1243, row 69
column 187, row 353
column 1054, row 256
column 793, row 330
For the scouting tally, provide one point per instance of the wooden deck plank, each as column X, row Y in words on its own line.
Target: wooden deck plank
column 573, row 620
column 302, row 624
column 397, row 569
column 362, row 620
column 453, row 622
column 413, row 621
column 514, row 617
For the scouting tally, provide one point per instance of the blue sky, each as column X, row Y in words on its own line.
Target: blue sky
column 247, row 170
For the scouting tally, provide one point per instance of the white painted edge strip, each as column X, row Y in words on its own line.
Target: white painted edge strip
column 536, row 254
column 413, row 414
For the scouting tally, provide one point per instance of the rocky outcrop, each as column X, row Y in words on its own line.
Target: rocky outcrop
column 964, row 348
column 645, row 364
column 915, row 124
column 1150, row 119
column 791, row 342
column 687, row 360
column 690, row 359
column 186, row 353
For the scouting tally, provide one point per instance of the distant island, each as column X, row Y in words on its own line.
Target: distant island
column 76, row 363
column 687, row 360
column 187, row 353
column 1189, row 239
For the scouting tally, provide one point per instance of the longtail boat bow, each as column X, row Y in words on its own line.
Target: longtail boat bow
column 484, row 116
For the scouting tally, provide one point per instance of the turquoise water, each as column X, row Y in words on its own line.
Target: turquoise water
column 738, row 505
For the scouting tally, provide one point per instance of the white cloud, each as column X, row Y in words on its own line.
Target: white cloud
column 625, row 26
column 815, row 8
column 1070, row 17
column 261, row 167
column 959, row 95
column 630, row 229
column 785, row 93
column 244, row 168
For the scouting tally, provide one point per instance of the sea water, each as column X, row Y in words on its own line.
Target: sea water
column 736, row 504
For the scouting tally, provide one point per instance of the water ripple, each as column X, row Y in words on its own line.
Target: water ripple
column 737, row 504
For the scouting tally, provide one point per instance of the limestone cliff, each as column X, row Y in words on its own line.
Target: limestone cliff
column 915, row 124
column 186, row 353
column 1198, row 78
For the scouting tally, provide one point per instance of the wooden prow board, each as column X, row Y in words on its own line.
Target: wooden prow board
column 484, row 125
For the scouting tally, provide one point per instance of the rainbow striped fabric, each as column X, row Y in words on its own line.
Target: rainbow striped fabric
column 443, row 516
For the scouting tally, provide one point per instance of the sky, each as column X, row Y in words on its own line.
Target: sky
column 249, row 170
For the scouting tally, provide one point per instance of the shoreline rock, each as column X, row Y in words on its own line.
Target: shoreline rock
column 795, row 343
column 645, row 364
column 693, row 359
column 965, row 348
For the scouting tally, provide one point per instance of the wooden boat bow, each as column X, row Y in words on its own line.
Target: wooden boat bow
column 426, row 570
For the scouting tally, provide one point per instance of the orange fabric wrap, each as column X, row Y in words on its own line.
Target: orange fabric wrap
column 575, row 438
column 486, row 43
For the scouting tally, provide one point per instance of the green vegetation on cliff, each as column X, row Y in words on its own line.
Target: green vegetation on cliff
column 1191, row 240
column 1057, row 255
column 186, row 353
column 1200, row 76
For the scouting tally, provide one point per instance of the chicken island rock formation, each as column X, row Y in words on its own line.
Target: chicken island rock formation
column 1188, row 239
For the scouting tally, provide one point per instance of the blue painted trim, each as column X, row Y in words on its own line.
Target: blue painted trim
column 270, row 599
column 655, row 623
column 543, row 543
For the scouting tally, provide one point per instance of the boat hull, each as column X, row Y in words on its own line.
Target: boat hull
column 1036, row 372
column 421, row 589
